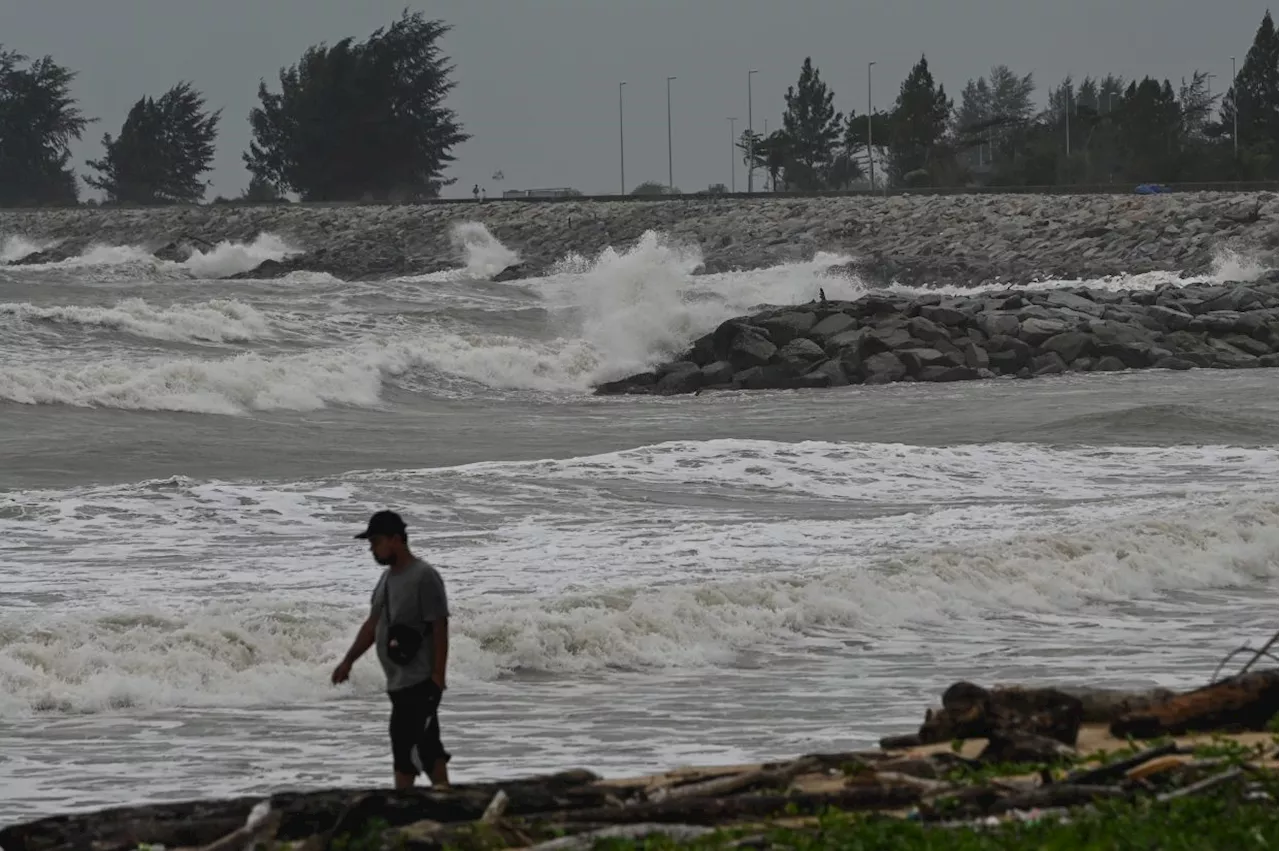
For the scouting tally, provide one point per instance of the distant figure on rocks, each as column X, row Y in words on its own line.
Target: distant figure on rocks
column 409, row 623
column 822, row 296
column 484, row 196
column 475, row 192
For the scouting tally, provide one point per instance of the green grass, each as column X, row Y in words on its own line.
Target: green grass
column 1196, row 824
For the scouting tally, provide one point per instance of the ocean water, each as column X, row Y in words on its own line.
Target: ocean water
column 636, row 583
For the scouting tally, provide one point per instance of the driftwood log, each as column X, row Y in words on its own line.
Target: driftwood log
column 302, row 814
column 706, row 811
column 1247, row 702
column 972, row 712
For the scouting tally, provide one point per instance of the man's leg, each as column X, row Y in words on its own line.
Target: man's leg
column 406, row 722
column 435, row 759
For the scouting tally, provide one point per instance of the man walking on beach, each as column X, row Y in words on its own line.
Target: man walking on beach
column 409, row 623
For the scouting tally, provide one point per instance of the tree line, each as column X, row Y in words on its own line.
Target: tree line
column 358, row 119
column 367, row 120
column 1095, row 130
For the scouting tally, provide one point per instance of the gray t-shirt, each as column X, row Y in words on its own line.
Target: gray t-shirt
column 417, row 598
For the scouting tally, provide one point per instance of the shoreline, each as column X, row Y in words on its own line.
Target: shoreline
column 986, row 756
column 883, row 338
column 927, row 240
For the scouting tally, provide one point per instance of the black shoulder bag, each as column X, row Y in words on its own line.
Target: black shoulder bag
column 403, row 641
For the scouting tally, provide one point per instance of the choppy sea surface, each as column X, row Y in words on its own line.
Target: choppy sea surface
column 636, row 583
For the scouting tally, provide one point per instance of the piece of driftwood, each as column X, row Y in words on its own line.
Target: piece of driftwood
column 1119, row 768
column 777, row 778
column 1203, row 785
column 1246, row 701
column 302, row 814
column 972, row 712
column 707, row 810
column 1057, row 795
column 1024, row 747
column 586, row 841
column 1102, row 706
column 261, row 826
column 496, row 807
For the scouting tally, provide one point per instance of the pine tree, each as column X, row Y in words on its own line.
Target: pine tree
column 39, row 120
column 813, row 126
column 1250, row 106
column 164, row 147
column 918, row 129
column 361, row 119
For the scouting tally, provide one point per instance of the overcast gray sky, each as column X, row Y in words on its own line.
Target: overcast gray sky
column 537, row 79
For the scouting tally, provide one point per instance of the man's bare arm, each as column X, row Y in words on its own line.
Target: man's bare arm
column 365, row 638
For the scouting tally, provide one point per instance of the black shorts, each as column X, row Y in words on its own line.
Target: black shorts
column 414, row 724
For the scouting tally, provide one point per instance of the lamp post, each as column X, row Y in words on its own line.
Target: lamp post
column 733, row 155
column 1235, row 112
column 871, row 162
column 1066, row 109
column 671, row 180
column 622, row 149
column 751, row 138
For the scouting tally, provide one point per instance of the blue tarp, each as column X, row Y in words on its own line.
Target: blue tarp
column 1152, row 189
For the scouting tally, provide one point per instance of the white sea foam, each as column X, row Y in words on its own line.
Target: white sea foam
column 220, row 320
column 270, row 653
column 230, row 258
column 483, row 255
column 17, row 247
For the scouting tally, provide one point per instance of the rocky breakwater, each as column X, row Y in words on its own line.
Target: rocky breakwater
column 968, row 240
column 882, row 338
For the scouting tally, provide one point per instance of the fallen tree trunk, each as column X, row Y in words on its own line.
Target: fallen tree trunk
column 1247, row 701
column 1119, row 768
column 722, row 810
column 302, row 814
column 972, row 712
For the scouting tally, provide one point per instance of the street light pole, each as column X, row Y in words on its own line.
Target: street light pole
column 751, row 139
column 733, row 155
column 671, row 180
column 1235, row 112
column 1066, row 109
column 871, row 162
column 622, row 149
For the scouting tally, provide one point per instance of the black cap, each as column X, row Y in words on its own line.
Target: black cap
column 384, row 523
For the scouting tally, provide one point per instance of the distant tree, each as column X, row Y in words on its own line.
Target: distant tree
column 361, row 119
column 39, row 119
column 259, row 191
column 653, row 187
column 1251, row 103
column 164, row 147
column 918, row 127
column 855, row 141
column 812, row 126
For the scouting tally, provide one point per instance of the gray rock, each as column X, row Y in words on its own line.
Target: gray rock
column 1169, row 318
column 1109, row 364
column 1069, row 345
column 927, row 330
column 775, row 377
column 883, row 368
column 801, row 352
column 943, row 314
column 917, row 359
column 1272, row 360
column 751, row 348
column 1049, row 363
column 1110, row 331
column 948, row 373
column 1172, row 362
column 1062, row 298
column 785, row 327
column 832, row 325
column 719, row 372
column 1248, row 345
column 834, row 372
column 891, row 336
column 681, row 377
column 1036, row 331
column 975, row 356
column 855, row 339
